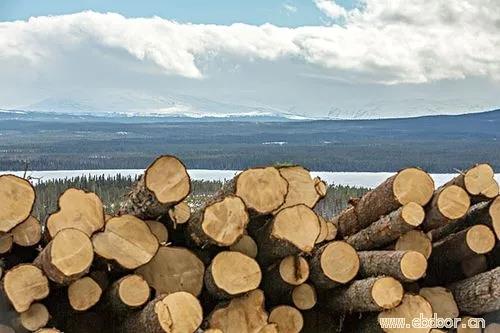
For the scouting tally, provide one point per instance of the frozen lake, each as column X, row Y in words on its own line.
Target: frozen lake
column 364, row 179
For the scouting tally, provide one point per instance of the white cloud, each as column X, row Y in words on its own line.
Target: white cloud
column 330, row 8
column 289, row 8
column 383, row 42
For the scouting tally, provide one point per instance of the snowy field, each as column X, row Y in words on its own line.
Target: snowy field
column 360, row 179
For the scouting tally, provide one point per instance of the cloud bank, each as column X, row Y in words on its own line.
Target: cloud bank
column 380, row 43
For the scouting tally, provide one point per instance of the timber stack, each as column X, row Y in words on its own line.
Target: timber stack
column 255, row 257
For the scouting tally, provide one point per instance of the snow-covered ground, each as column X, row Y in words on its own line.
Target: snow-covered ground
column 364, row 179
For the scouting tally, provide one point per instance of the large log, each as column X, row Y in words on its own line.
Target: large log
column 174, row 269
column 415, row 240
column 442, row 302
column 164, row 184
column 84, row 293
column 406, row 266
column 77, row 210
column 388, row 228
column 449, row 204
column 408, row 185
column 67, row 257
column 287, row 318
column 478, row 239
column 17, row 197
column 262, row 189
column 478, row 181
column 244, row 314
column 179, row 312
column 126, row 240
column 293, row 230
column 333, row 264
column 369, row 295
column 302, row 188
column 221, row 222
column 479, row 294
column 231, row 274
column 487, row 213
column 25, row 284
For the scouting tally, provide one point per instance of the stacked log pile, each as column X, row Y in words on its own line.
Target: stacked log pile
column 254, row 258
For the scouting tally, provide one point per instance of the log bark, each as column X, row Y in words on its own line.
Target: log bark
column 487, row 213
column 84, row 293
column 479, row 294
column 127, row 241
column 333, row 264
column 78, row 209
column 320, row 321
column 16, row 201
column 373, row 294
column 164, row 184
column 414, row 240
column 408, row 185
column 406, row 266
column 174, row 269
column 67, row 257
column 179, row 312
column 302, row 188
column 292, row 231
column 287, row 318
column 388, row 228
column 231, row 274
column 221, row 222
column 449, row 204
column 244, row 314
column 263, row 190
column 478, row 181
column 25, row 284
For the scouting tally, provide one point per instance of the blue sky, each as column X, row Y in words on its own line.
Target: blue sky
column 316, row 58
column 195, row 11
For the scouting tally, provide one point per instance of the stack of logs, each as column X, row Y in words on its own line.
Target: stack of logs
column 254, row 258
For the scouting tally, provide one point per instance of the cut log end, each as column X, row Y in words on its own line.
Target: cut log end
column 387, row 292
column 159, row 230
column 262, row 189
column 168, row 180
column 480, row 181
column 133, row 291
column 302, row 189
column 245, row 245
column 84, row 293
column 442, row 301
column 413, row 185
column 6, row 242
column 298, row 225
column 180, row 213
column 78, row 210
column 25, row 284
column 179, row 312
column 174, row 269
column 323, row 230
column 492, row 328
column 331, row 231
column 494, row 211
column 453, row 202
column 480, row 239
column 413, row 214
column 28, row 233
column 288, row 319
column 127, row 240
column 225, row 221
column 269, row 328
column 415, row 240
column 339, row 262
column 71, row 252
column 48, row 330
column 16, row 201
column 469, row 325
column 36, row 317
column 235, row 273
column 413, row 265
column 411, row 307
column 304, row 296
column 294, row 270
